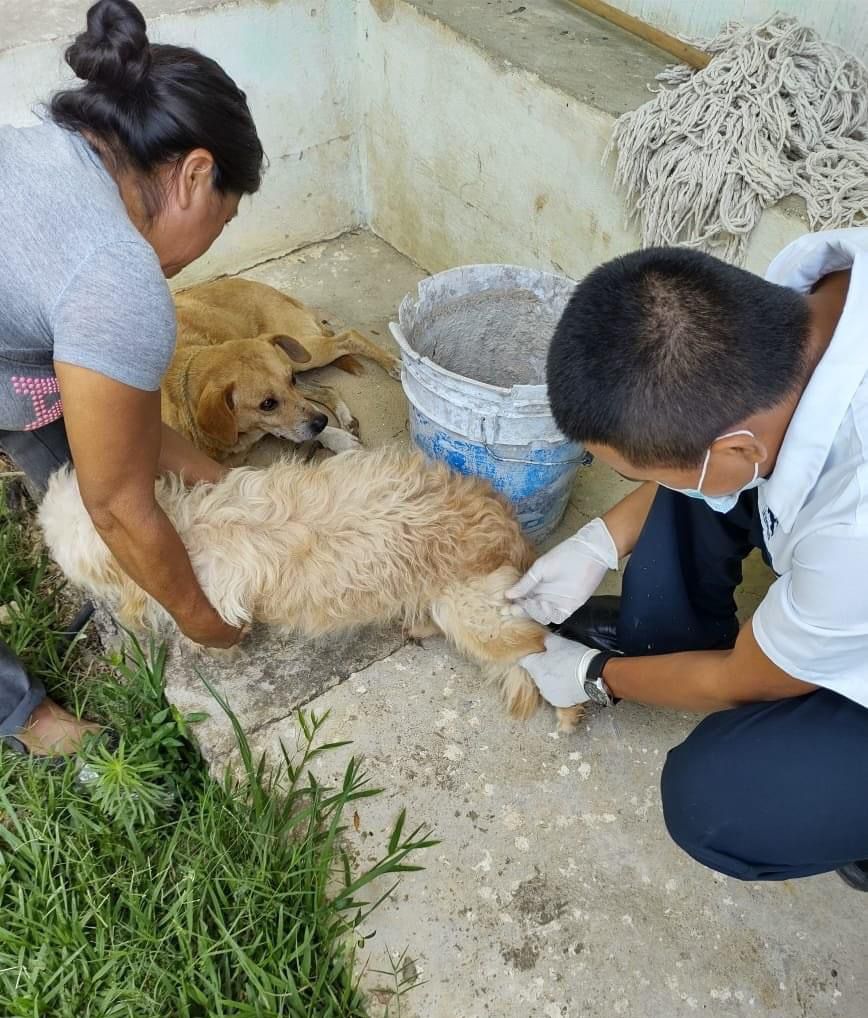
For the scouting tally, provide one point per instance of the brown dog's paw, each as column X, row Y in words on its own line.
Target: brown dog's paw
column 339, row 441
column 395, row 370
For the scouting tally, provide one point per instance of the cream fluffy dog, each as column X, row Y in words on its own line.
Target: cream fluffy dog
column 365, row 537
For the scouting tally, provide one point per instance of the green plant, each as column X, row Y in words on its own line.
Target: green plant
column 147, row 889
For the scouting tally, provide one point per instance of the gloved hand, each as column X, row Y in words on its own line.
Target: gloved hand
column 560, row 670
column 560, row 581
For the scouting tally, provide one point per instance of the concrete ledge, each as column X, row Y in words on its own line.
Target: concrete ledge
column 568, row 49
column 60, row 20
column 484, row 127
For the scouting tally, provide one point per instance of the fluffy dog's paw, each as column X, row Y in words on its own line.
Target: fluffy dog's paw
column 569, row 718
column 221, row 658
column 421, row 631
column 224, row 658
column 352, row 427
column 394, row 370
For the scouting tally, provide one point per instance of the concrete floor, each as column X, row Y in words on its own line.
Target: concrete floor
column 555, row 891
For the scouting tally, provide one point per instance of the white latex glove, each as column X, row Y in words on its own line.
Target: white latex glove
column 560, row 670
column 560, row 581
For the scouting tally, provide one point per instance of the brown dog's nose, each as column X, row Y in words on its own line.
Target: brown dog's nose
column 318, row 423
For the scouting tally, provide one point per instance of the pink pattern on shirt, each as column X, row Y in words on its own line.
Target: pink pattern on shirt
column 40, row 390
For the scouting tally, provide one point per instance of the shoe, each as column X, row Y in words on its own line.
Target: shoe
column 14, row 745
column 855, row 875
column 595, row 623
column 83, row 616
column 84, row 772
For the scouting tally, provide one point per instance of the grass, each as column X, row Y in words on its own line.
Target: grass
column 150, row 890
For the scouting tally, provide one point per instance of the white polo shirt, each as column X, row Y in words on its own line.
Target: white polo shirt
column 813, row 623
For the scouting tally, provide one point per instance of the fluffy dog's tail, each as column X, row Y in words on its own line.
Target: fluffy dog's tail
column 476, row 616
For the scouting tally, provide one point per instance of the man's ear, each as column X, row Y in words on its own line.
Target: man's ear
column 748, row 447
column 215, row 413
column 291, row 347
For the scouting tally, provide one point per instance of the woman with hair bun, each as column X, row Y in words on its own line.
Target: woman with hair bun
column 132, row 176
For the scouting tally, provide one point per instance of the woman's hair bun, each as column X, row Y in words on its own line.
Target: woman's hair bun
column 114, row 50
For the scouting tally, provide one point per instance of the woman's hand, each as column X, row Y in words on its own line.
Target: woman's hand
column 206, row 628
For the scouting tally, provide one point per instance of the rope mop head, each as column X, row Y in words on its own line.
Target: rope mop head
column 776, row 112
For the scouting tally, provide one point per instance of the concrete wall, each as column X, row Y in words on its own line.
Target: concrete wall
column 468, row 158
column 293, row 59
column 399, row 115
column 844, row 22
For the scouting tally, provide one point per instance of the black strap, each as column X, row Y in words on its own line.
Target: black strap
column 595, row 670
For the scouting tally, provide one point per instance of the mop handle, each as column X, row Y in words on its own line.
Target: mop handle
column 657, row 37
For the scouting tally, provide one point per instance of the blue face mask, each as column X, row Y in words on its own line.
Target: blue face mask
column 720, row 503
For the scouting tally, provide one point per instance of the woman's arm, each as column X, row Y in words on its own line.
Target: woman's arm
column 116, row 436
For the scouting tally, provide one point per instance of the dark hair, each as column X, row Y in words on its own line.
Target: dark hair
column 149, row 105
column 661, row 351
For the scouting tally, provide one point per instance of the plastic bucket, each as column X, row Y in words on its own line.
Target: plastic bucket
column 474, row 342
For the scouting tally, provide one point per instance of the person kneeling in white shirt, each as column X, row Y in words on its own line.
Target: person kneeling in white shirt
column 741, row 405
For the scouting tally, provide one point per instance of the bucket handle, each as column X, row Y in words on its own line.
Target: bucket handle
column 585, row 458
column 489, row 431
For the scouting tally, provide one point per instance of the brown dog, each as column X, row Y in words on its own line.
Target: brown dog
column 233, row 377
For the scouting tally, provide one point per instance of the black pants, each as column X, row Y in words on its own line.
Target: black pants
column 767, row 791
column 38, row 453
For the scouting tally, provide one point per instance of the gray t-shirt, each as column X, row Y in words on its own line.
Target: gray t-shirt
column 78, row 283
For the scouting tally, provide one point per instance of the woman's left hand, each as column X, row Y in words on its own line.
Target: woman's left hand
column 205, row 627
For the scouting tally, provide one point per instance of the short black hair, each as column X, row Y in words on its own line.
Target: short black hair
column 661, row 351
column 148, row 105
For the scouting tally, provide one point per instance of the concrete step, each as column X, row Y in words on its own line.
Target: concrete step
column 460, row 132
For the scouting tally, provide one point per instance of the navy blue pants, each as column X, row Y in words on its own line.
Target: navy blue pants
column 768, row 791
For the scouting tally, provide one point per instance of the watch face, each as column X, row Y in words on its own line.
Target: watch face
column 596, row 694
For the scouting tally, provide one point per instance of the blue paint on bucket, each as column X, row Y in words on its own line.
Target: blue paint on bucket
column 537, row 480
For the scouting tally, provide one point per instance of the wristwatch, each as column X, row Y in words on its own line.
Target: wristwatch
column 595, row 686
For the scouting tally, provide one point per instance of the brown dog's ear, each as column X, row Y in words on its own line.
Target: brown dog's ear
column 215, row 413
column 292, row 348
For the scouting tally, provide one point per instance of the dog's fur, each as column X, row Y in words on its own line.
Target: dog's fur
column 240, row 347
column 365, row 537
